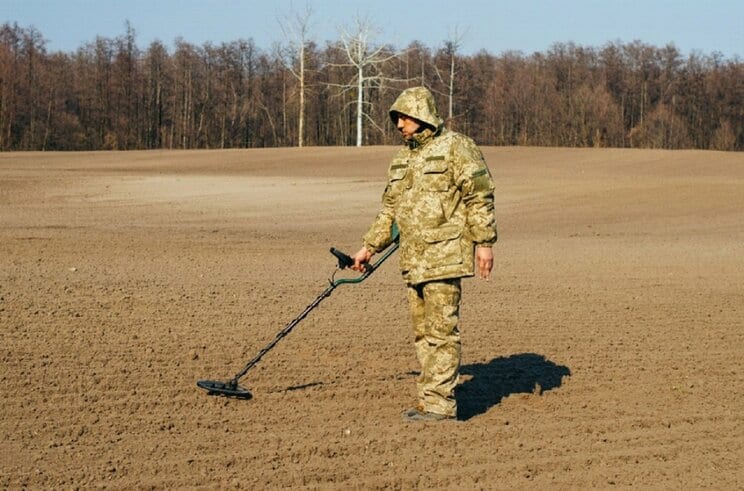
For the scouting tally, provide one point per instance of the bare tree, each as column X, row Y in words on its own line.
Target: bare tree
column 451, row 46
column 156, row 63
column 367, row 59
column 296, row 29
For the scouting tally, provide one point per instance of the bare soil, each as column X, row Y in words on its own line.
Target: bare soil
column 606, row 350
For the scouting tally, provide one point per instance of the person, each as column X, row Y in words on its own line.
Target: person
column 440, row 195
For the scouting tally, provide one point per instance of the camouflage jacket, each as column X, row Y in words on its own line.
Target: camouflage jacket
column 439, row 193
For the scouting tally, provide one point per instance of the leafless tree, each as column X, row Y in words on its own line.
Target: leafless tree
column 452, row 45
column 296, row 28
column 368, row 59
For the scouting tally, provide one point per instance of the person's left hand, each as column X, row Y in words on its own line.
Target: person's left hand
column 484, row 260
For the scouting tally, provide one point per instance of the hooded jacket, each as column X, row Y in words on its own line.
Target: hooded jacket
column 440, row 195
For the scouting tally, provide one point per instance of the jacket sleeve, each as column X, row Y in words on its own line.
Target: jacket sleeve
column 476, row 185
column 379, row 235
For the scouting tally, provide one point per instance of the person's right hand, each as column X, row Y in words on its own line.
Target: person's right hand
column 360, row 258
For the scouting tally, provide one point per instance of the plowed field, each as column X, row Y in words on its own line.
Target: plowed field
column 606, row 349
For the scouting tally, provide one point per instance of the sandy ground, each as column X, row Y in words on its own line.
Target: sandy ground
column 606, row 350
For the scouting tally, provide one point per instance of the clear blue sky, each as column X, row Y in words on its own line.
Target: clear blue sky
column 493, row 25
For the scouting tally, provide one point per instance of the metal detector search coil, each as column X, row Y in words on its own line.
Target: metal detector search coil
column 228, row 389
column 231, row 388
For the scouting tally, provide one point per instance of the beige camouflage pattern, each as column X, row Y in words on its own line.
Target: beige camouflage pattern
column 440, row 194
column 435, row 312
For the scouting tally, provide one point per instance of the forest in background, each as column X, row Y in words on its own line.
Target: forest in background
column 113, row 94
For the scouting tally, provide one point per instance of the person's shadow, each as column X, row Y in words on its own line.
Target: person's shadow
column 501, row 377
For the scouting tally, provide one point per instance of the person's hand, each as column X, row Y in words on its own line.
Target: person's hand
column 360, row 258
column 484, row 260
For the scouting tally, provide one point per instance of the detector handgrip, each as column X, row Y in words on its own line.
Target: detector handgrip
column 344, row 260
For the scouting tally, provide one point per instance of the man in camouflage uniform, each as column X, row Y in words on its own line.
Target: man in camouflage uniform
column 440, row 195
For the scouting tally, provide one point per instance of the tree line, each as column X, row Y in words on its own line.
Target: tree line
column 113, row 94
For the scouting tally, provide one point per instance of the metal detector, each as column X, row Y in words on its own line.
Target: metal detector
column 231, row 388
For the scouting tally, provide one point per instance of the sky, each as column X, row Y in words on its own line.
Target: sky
column 492, row 25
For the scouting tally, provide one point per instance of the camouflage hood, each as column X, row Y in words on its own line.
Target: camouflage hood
column 418, row 103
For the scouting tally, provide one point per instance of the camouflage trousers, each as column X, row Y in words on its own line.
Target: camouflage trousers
column 435, row 308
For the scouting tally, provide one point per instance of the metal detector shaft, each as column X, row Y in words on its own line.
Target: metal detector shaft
column 370, row 268
column 283, row 332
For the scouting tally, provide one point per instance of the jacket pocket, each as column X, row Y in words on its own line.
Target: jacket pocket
column 442, row 246
column 398, row 172
column 435, row 175
column 398, row 178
